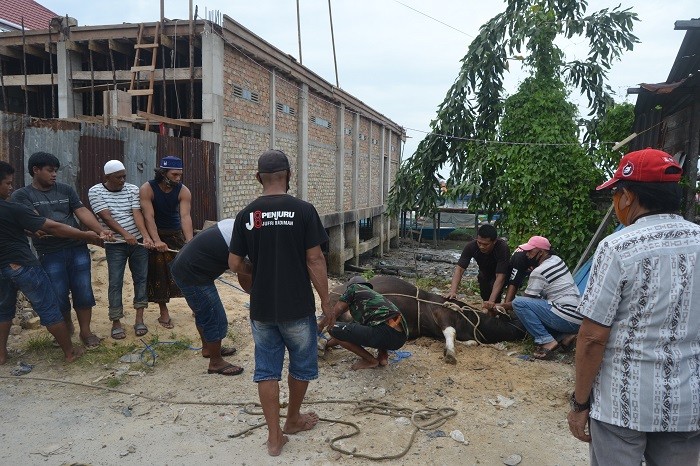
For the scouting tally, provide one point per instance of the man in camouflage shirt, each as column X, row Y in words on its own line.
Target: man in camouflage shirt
column 377, row 323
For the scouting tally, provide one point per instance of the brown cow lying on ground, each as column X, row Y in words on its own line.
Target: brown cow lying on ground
column 426, row 315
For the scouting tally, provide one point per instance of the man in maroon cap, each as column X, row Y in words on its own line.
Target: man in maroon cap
column 637, row 356
column 166, row 204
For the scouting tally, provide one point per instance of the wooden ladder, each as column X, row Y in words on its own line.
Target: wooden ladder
column 134, row 90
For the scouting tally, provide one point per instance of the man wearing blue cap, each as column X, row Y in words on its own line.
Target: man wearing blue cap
column 166, row 204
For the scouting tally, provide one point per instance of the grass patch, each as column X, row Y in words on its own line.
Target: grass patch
column 106, row 353
column 114, row 382
column 38, row 343
column 427, row 283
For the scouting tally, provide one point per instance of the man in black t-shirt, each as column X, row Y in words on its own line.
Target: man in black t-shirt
column 282, row 237
column 492, row 256
column 65, row 261
column 21, row 271
column 194, row 270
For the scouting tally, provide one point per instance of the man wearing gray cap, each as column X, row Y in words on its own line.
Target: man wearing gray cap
column 282, row 237
column 117, row 205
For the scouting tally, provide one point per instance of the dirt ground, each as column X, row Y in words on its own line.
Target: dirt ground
column 507, row 408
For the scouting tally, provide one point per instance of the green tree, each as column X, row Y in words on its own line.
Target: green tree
column 469, row 117
column 614, row 126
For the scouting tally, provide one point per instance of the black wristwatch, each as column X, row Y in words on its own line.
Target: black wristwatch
column 578, row 407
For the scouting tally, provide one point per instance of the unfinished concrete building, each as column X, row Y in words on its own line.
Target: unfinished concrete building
column 217, row 82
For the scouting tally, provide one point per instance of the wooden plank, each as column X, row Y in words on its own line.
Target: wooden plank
column 178, row 74
column 138, row 92
column 120, row 47
column 99, row 47
column 162, row 119
column 145, row 46
column 10, row 51
column 136, row 69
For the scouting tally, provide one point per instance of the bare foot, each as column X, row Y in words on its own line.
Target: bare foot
column 383, row 357
column 78, row 351
column 276, row 449
column 364, row 364
column 306, row 421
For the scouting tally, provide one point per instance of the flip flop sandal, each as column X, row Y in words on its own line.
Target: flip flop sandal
column 140, row 329
column 544, row 354
column 230, row 369
column 91, row 342
column 225, row 351
column 167, row 323
column 118, row 333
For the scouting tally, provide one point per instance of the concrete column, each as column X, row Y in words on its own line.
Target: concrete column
column 213, row 100
column 382, row 155
column 336, row 246
column 354, row 234
column 70, row 104
column 387, row 186
column 369, row 167
column 273, row 109
column 303, row 144
column 340, row 159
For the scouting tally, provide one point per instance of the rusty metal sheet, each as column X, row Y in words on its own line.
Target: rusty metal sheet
column 93, row 153
column 11, row 147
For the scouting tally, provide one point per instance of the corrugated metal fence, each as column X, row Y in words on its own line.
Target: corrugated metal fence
column 83, row 149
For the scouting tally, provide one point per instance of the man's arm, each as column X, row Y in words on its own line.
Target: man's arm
column 87, row 218
column 185, row 199
column 456, row 278
column 59, row 229
column 238, row 264
column 510, row 293
column 316, row 264
column 339, row 309
column 140, row 224
column 497, row 289
column 590, row 347
column 113, row 225
column 148, row 219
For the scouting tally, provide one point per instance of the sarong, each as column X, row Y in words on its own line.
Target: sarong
column 160, row 285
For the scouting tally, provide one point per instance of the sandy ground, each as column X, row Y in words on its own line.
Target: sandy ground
column 504, row 405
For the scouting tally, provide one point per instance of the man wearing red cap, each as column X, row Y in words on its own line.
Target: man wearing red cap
column 166, row 204
column 548, row 307
column 637, row 356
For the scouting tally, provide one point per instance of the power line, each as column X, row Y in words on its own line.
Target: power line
column 434, row 19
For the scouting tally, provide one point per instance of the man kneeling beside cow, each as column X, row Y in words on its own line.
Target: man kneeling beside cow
column 421, row 314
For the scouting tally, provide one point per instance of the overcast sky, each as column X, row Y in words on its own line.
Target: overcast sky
column 393, row 58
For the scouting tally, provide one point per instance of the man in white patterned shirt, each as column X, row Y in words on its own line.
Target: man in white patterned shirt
column 117, row 205
column 638, row 351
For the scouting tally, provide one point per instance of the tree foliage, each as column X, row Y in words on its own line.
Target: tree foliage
column 467, row 121
column 614, row 126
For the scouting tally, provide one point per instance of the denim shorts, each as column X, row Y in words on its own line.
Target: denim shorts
column 298, row 336
column 69, row 271
column 209, row 313
column 32, row 281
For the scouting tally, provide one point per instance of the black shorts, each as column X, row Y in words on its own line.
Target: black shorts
column 380, row 336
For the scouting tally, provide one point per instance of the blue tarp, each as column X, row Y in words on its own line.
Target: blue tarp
column 581, row 277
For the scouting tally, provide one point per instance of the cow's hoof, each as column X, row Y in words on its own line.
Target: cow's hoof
column 450, row 359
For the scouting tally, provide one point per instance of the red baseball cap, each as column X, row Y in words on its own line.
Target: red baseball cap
column 646, row 166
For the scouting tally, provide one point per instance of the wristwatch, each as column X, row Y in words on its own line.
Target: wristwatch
column 578, row 407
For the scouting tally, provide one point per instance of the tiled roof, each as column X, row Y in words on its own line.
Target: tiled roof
column 35, row 16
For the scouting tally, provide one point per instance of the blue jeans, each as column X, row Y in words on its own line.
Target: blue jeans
column 298, row 336
column 117, row 257
column 209, row 313
column 69, row 271
column 539, row 321
column 32, row 281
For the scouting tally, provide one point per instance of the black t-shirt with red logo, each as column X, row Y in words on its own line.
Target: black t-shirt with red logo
column 275, row 232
